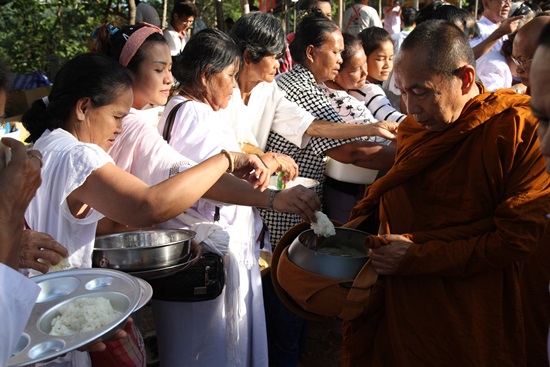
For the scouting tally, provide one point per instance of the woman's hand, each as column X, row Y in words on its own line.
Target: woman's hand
column 99, row 344
column 298, row 200
column 251, row 168
column 384, row 129
column 38, row 245
column 281, row 163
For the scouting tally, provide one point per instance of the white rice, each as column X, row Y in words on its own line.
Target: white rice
column 83, row 314
column 61, row 265
column 324, row 226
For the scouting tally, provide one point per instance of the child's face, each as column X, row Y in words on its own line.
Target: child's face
column 380, row 63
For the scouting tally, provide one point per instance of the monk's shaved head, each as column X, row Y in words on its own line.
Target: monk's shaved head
column 440, row 44
column 525, row 45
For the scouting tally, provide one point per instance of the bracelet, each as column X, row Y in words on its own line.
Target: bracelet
column 272, row 195
column 518, row 89
column 230, row 159
column 261, row 160
column 279, row 163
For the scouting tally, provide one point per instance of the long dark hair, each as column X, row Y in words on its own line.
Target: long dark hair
column 87, row 75
column 210, row 51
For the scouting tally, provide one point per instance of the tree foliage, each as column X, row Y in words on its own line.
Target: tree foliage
column 42, row 34
column 36, row 34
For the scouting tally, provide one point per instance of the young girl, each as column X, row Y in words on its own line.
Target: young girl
column 378, row 47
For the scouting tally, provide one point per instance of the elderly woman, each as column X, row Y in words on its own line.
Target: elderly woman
column 232, row 329
column 341, row 197
column 73, row 128
column 316, row 49
column 261, row 39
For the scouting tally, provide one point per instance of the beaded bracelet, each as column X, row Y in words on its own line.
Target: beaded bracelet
column 230, row 159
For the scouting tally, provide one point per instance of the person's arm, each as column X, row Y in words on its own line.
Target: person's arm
column 297, row 200
column 506, row 27
column 364, row 154
column 127, row 200
column 19, row 181
column 335, row 130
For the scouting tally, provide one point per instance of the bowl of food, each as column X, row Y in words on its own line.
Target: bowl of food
column 339, row 256
column 142, row 250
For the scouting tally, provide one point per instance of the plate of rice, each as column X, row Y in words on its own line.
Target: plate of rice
column 74, row 309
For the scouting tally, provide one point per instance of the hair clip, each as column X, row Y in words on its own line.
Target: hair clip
column 94, row 33
column 112, row 29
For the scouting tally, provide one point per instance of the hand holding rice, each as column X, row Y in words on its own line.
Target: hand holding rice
column 323, row 226
column 83, row 314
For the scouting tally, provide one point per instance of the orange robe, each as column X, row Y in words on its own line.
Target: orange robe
column 474, row 200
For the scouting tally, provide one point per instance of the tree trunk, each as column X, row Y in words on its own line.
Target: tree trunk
column 132, row 9
column 245, row 7
column 164, row 11
column 219, row 15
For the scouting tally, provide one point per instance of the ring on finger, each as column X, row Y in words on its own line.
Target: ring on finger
column 37, row 156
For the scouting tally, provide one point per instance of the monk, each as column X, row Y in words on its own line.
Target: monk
column 462, row 208
column 536, row 277
column 525, row 44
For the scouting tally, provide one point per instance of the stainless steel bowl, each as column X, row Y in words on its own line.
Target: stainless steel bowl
column 142, row 250
column 338, row 256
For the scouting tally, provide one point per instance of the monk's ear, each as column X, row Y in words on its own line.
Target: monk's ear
column 467, row 75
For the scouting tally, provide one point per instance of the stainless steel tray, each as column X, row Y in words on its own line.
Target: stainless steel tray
column 36, row 345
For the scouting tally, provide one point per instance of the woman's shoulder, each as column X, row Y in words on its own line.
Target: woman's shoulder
column 61, row 146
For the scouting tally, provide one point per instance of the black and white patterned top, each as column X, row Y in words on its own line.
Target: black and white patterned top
column 301, row 88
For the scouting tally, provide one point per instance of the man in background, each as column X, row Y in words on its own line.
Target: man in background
column 360, row 16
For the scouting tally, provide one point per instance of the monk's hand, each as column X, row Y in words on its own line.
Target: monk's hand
column 38, row 250
column 386, row 259
column 384, row 129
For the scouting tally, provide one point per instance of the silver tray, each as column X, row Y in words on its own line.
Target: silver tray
column 36, row 345
column 146, row 293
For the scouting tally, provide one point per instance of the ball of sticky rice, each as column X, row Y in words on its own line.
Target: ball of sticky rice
column 323, row 226
column 83, row 314
column 61, row 265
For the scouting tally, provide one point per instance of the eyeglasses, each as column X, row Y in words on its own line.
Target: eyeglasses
column 521, row 64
